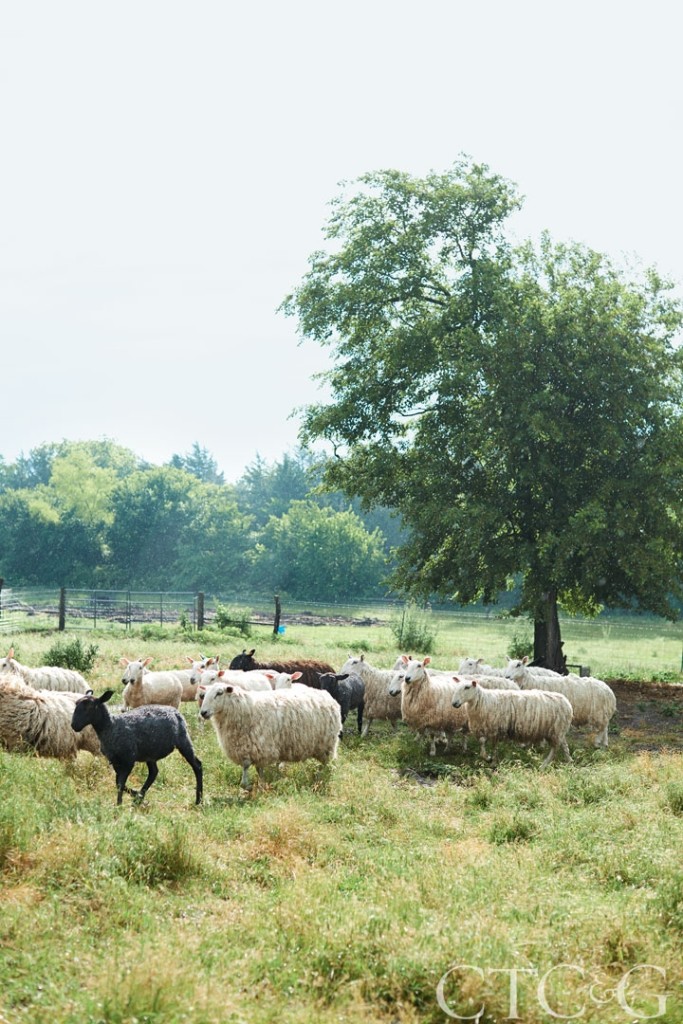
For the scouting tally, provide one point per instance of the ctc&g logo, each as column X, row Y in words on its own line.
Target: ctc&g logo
column 627, row 992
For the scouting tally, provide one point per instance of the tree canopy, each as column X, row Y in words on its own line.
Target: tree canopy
column 520, row 406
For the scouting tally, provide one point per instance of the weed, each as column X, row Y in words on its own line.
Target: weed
column 71, row 654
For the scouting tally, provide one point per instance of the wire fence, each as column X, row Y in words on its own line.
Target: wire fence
column 611, row 638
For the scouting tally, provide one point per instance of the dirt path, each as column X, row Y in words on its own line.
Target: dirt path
column 649, row 715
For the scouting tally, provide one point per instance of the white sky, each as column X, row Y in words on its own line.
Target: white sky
column 166, row 168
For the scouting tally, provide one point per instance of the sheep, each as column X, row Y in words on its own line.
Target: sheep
column 592, row 700
column 265, row 680
column 262, row 728
column 379, row 705
column 144, row 687
column 308, row 667
column 426, row 702
column 189, row 677
column 348, row 689
column 526, row 715
column 535, row 670
column 47, row 677
column 147, row 733
column 41, row 720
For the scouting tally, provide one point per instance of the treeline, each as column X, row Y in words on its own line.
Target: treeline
column 92, row 514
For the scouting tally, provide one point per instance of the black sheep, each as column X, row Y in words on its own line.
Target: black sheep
column 148, row 734
column 348, row 689
column 309, row 667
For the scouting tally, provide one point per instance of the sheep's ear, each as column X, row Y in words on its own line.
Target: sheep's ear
column 220, row 673
column 474, row 682
column 191, row 660
column 146, row 662
column 268, row 674
column 525, row 659
column 362, row 657
column 479, row 661
column 107, row 695
column 88, row 693
column 10, row 653
column 296, row 675
column 427, row 660
column 405, row 658
column 124, row 661
column 344, row 675
column 252, row 652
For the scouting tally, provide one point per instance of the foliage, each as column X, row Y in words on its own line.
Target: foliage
column 72, row 654
column 521, row 646
column 232, row 617
column 413, row 629
column 521, row 408
column 200, row 463
column 315, row 551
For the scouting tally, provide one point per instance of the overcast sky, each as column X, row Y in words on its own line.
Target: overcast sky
column 166, row 168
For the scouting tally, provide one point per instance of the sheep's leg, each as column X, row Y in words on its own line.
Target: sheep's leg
column 152, row 772
column 432, row 745
column 187, row 750
column 551, row 755
column 360, row 717
column 122, row 773
column 565, row 749
column 482, row 748
column 366, row 727
column 244, row 782
column 601, row 740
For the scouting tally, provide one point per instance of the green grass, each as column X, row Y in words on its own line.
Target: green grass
column 342, row 895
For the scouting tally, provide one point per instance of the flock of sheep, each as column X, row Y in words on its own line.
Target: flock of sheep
column 271, row 712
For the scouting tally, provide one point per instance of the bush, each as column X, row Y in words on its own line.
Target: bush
column 414, row 629
column 521, row 646
column 72, row 654
column 231, row 617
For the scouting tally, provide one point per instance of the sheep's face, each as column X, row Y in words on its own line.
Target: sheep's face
column 396, row 684
column 468, row 666
column 330, row 683
column 416, row 671
column 134, row 670
column 464, row 692
column 198, row 667
column 8, row 664
column 353, row 664
column 89, row 710
column 220, row 695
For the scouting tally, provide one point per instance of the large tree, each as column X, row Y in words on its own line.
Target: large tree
column 521, row 408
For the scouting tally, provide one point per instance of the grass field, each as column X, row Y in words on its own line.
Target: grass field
column 390, row 887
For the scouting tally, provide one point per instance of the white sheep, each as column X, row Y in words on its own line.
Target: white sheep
column 41, row 720
column 263, row 728
column 144, row 687
column 189, row 677
column 47, row 677
column 427, row 702
column 528, row 716
column 592, row 700
column 379, row 704
column 535, row 670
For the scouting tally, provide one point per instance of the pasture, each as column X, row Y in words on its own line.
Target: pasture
column 389, row 887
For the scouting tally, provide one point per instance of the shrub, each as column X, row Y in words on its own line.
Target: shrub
column 72, row 654
column 521, row 646
column 414, row 629
column 231, row 617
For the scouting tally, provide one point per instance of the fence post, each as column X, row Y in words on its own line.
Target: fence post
column 1, row 586
column 278, row 611
column 200, row 610
column 62, row 609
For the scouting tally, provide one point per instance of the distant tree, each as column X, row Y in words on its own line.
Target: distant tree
column 319, row 554
column 40, row 546
column 213, row 543
column 200, row 463
column 268, row 490
column 151, row 511
column 520, row 408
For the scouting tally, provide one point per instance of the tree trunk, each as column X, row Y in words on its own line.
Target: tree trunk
column 547, row 642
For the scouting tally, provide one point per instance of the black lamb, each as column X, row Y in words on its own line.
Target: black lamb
column 348, row 689
column 310, row 668
column 148, row 734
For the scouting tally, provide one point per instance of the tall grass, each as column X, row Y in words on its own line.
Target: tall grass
column 349, row 896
